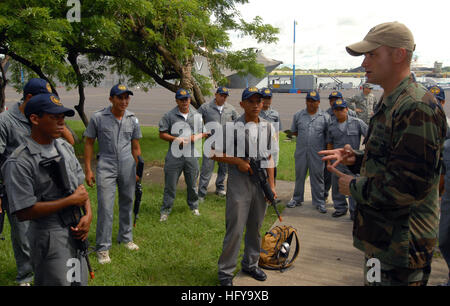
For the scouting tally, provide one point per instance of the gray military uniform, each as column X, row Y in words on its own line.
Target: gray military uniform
column 312, row 131
column 28, row 183
column 366, row 103
column 115, row 166
column 211, row 113
column 245, row 209
column 339, row 135
column 273, row 116
column 14, row 127
column 326, row 173
column 172, row 123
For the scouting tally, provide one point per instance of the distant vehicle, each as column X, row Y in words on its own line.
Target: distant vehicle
column 283, row 83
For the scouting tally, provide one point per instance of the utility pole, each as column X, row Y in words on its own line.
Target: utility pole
column 293, row 90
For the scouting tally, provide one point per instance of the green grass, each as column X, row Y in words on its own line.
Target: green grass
column 183, row 251
column 180, row 252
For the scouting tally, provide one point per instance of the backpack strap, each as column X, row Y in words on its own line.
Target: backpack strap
column 287, row 264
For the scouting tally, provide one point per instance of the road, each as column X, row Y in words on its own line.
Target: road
column 152, row 105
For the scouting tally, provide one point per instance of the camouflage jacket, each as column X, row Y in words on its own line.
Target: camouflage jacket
column 366, row 103
column 397, row 194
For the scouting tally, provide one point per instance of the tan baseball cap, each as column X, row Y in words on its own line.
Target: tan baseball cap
column 391, row 34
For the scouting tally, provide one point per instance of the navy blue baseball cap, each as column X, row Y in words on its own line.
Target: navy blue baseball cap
column 339, row 103
column 36, row 86
column 182, row 94
column 223, row 91
column 266, row 93
column 438, row 92
column 313, row 95
column 119, row 89
column 47, row 103
column 249, row 92
column 335, row 94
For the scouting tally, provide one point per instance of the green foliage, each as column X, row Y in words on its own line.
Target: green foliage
column 146, row 42
column 244, row 62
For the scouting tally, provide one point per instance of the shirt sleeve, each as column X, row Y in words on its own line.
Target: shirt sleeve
column 351, row 102
column 137, row 133
column 280, row 127
column 235, row 115
column 294, row 124
column 363, row 128
column 19, row 182
column 164, row 124
column 329, row 137
column 91, row 130
column 201, row 110
column 3, row 136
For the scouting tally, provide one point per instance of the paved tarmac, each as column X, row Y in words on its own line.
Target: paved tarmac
column 152, row 105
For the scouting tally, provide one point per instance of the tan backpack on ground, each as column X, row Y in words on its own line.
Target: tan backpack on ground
column 276, row 246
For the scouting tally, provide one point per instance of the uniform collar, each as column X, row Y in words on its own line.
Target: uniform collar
column 107, row 111
column 177, row 112
column 33, row 146
column 318, row 113
column 389, row 101
column 213, row 104
column 16, row 113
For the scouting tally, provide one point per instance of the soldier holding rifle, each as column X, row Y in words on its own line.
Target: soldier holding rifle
column 34, row 195
column 245, row 204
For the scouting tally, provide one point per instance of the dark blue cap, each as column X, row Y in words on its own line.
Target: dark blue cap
column 313, row 95
column 339, row 103
column 47, row 103
column 266, row 93
column 223, row 91
column 182, row 94
column 335, row 94
column 119, row 89
column 438, row 92
column 36, row 86
column 250, row 91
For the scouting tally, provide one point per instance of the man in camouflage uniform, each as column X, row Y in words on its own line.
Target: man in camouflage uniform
column 363, row 104
column 397, row 212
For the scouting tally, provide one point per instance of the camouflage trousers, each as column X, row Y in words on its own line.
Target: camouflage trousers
column 397, row 276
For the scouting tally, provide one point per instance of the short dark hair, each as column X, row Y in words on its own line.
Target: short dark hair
column 40, row 114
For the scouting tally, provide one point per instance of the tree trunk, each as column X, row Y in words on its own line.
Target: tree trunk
column 188, row 82
column 82, row 98
column 3, row 83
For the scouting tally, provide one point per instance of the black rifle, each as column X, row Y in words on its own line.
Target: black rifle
column 138, row 190
column 70, row 216
column 260, row 175
column 3, row 213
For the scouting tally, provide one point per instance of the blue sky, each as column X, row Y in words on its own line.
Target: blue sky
column 325, row 27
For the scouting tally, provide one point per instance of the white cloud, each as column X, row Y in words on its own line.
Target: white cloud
column 325, row 27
